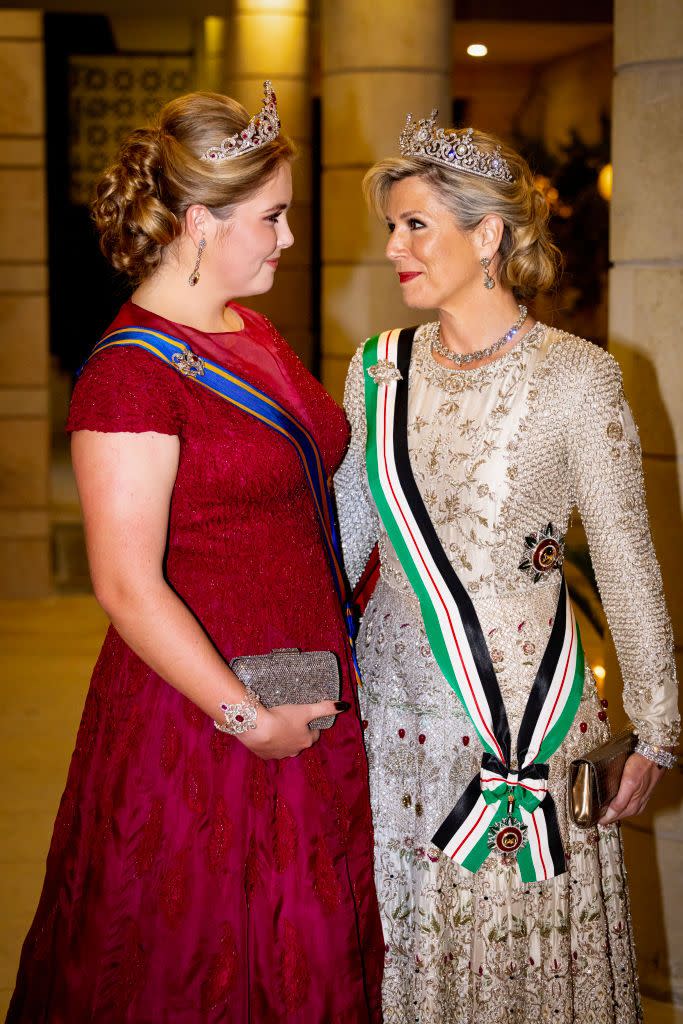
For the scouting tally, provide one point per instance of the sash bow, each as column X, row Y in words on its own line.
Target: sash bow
column 501, row 784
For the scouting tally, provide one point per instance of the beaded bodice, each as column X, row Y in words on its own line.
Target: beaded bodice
column 501, row 454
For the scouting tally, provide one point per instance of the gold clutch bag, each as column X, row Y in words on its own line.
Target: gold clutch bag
column 595, row 777
column 290, row 676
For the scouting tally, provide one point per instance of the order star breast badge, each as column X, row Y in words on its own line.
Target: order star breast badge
column 543, row 552
column 384, row 372
column 508, row 836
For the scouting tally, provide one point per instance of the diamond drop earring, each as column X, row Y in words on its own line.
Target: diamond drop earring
column 488, row 280
column 194, row 276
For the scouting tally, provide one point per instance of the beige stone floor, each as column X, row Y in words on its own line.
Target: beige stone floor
column 47, row 649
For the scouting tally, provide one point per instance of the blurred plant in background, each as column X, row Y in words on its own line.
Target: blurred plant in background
column 576, row 181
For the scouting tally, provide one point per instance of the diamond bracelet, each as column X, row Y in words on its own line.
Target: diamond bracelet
column 659, row 755
column 240, row 717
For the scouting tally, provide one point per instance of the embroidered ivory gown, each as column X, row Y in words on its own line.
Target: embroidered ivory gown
column 498, row 453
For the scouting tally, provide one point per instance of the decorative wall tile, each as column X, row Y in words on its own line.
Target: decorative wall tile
column 109, row 96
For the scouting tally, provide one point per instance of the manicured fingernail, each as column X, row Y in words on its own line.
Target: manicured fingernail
column 342, row 705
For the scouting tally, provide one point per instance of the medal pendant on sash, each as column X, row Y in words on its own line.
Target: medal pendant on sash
column 508, row 836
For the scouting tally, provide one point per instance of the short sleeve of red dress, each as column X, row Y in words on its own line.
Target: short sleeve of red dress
column 126, row 390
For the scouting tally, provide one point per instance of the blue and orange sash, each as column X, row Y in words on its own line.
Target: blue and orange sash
column 243, row 395
column 507, row 806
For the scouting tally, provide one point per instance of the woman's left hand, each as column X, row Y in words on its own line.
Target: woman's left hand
column 639, row 779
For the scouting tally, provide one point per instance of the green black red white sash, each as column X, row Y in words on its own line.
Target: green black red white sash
column 504, row 809
column 243, row 395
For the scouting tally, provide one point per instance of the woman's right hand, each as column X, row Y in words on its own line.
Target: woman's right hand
column 283, row 731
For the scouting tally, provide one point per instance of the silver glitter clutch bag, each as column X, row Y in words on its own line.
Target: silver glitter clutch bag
column 290, row 676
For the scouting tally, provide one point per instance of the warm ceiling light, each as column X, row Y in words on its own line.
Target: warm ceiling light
column 605, row 182
column 599, row 672
column 477, row 50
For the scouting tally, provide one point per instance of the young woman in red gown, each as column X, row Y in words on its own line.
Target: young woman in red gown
column 196, row 877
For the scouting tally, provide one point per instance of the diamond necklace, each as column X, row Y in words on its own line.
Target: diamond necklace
column 433, row 333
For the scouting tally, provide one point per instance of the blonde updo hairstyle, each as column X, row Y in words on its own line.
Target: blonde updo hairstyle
column 142, row 198
column 528, row 261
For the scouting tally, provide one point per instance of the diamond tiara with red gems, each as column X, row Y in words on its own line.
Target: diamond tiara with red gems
column 263, row 128
column 424, row 140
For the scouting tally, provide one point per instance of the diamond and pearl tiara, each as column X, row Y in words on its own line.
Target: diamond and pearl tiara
column 263, row 128
column 451, row 149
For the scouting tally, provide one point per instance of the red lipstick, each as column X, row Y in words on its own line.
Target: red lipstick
column 408, row 276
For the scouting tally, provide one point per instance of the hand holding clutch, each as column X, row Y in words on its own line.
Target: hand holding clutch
column 290, row 676
column 594, row 778
column 639, row 778
column 614, row 780
column 284, row 731
column 291, row 696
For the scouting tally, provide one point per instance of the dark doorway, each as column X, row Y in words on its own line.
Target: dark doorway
column 84, row 291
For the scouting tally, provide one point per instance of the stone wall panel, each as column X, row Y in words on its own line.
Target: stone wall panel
column 271, row 39
column 647, row 30
column 362, row 300
column 24, row 461
column 24, row 422
column 355, row 34
column 23, row 226
column 21, row 96
column 370, row 108
column 368, row 87
column 24, row 333
column 351, row 233
column 646, row 158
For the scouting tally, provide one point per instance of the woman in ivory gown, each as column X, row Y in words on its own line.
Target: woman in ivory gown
column 473, row 438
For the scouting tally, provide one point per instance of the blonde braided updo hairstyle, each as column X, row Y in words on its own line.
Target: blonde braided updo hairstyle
column 528, row 261
column 142, row 198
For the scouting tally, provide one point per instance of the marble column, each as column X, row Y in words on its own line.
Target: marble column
column 645, row 336
column 378, row 63
column 272, row 40
column 24, row 426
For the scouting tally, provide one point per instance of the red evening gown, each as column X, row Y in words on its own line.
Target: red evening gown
column 189, row 882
